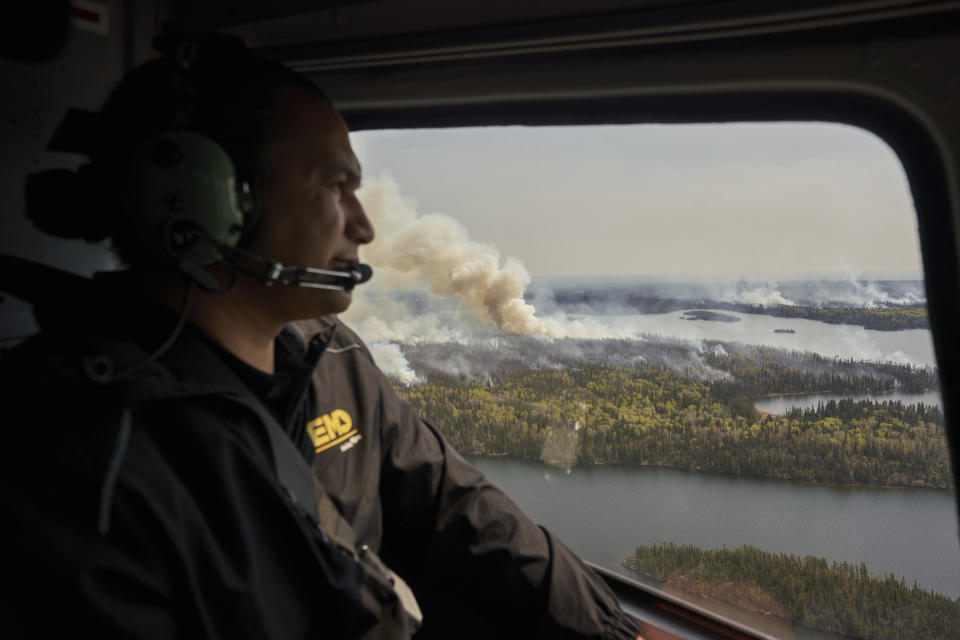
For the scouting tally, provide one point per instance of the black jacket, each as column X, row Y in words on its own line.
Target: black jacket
column 150, row 507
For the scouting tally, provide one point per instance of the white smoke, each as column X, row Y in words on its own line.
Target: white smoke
column 767, row 295
column 382, row 318
column 869, row 294
column 390, row 359
column 588, row 328
column 716, row 350
column 437, row 250
column 851, row 292
column 470, row 290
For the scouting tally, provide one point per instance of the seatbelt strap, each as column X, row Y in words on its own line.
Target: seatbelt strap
column 303, row 488
column 300, row 482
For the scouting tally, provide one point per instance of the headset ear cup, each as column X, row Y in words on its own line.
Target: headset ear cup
column 185, row 196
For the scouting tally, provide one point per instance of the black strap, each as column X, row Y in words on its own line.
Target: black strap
column 292, row 470
column 302, row 486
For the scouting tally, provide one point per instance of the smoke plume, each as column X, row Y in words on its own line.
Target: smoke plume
column 870, row 294
column 391, row 360
column 437, row 250
column 767, row 295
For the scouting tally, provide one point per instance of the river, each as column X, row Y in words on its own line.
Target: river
column 605, row 512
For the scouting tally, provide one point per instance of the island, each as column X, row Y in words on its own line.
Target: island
column 711, row 316
column 838, row 597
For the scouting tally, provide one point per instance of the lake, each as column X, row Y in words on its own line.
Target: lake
column 782, row 404
column 605, row 512
column 913, row 346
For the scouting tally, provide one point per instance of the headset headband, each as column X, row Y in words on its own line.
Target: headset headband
column 183, row 187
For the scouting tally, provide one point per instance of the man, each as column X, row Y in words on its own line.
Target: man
column 149, row 482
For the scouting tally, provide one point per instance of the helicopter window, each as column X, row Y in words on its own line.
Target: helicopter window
column 698, row 353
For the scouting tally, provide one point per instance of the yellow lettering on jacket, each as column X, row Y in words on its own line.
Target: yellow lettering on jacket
column 330, row 429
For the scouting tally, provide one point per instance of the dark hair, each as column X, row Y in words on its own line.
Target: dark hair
column 226, row 94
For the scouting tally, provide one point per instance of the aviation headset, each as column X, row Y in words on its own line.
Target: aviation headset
column 186, row 199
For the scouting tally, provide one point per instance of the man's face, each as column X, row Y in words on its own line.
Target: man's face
column 310, row 213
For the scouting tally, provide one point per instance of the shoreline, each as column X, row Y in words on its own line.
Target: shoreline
column 793, row 394
column 839, row 485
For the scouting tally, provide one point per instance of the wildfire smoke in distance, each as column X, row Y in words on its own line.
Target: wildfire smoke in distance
column 437, row 250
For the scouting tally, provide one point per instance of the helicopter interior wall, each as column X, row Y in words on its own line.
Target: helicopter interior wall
column 78, row 69
column 293, row 21
column 79, row 73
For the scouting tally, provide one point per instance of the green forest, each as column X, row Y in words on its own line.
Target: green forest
column 650, row 414
column 892, row 318
column 886, row 318
column 838, row 597
column 766, row 370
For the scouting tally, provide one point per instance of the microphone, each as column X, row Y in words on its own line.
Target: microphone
column 276, row 273
column 273, row 273
column 336, row 280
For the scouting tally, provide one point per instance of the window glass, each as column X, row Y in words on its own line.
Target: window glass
column 699, row 354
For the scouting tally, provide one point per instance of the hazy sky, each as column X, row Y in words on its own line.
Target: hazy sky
column 704, row 200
